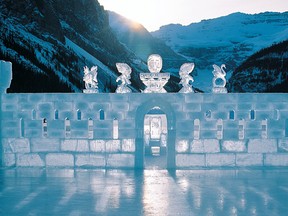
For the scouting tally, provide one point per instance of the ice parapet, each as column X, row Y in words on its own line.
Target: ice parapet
column 219, row 80
column 186, row 79
column 125, row 70
column 154, row 80
column 90, row 79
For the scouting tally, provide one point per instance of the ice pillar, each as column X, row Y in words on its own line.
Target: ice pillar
column 5, row 81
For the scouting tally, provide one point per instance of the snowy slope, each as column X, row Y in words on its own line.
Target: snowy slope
column 226, row 40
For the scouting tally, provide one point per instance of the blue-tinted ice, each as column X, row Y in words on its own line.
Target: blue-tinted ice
column 150, row 192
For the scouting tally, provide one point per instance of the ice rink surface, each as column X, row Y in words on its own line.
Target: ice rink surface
column 30, row 191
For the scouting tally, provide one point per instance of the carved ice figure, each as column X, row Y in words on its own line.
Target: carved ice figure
column 154, row 80
column 186, row 79
column 155, row 63
column 90, row 79
column 125, row 70
column 219, row 74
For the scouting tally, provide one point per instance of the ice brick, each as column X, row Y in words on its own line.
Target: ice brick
column 249, row 159
column 45, row 145
column 276, row 159
column 104, row 124
column 97, row 145
column 45, row 107
column 205, row 146
column 127, row 124
column 75, row 145
column 128, row 145
column 127, row 133
column 90, row 160
column 223, row 159
column 262, row 146
column 10, row 132
column 194, row 107
column 234, row 146
column 182, row 146
column 220, row 115
column 61, row 105
column 283, row 145
column 185, row 134
column 253, row 134
column 9, row 160
column 59, row 160
column 120, row 160
column 16, row 145
column 186, row 125
column 190, row 160
column 82, row 105
column 193, row 98
column 103, row 133
column 123, row 106
column 113, row 146
column 29, row 160
column 208, row 134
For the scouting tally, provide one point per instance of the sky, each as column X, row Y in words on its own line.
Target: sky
column 155, row 13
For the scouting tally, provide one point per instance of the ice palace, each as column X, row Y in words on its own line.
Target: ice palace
column 138, row 130
column 149, row 153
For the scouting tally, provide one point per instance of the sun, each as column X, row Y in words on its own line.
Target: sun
column 142, row 12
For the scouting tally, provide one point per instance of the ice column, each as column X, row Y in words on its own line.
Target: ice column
column 5, row 81
column 5, row 76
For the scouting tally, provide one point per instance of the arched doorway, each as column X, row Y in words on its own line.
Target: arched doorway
column 155, row 141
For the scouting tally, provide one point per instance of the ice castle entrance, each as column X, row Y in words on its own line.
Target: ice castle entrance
column 155, row 142
column 155, row 139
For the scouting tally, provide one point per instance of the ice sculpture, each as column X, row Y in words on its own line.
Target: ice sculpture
column 90, row 79
column 154, row 80
column 6, row 75
column 186, row 79
column 125, row 70
column 219, row 80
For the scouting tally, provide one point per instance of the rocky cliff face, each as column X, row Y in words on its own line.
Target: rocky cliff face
column 265, row 71
column 49, row 43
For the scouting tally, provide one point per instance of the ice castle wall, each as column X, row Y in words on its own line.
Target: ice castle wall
column 204, row 130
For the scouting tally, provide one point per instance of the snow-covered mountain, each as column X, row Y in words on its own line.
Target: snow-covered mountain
column 226, row 40
column 49, row 43
column 137, row 38
column 265, row 71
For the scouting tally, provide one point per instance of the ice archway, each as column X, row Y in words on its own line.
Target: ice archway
column 142, row 110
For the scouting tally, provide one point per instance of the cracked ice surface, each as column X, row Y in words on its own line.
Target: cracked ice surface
column 27, row 191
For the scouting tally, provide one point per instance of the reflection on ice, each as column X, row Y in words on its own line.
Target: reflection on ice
column 148, row 192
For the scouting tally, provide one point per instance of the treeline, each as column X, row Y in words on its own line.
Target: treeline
column 264, row 68
column 26, row 79
column 260, row 60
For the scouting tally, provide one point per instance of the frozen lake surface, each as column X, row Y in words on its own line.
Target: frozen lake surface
column 71, row 192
